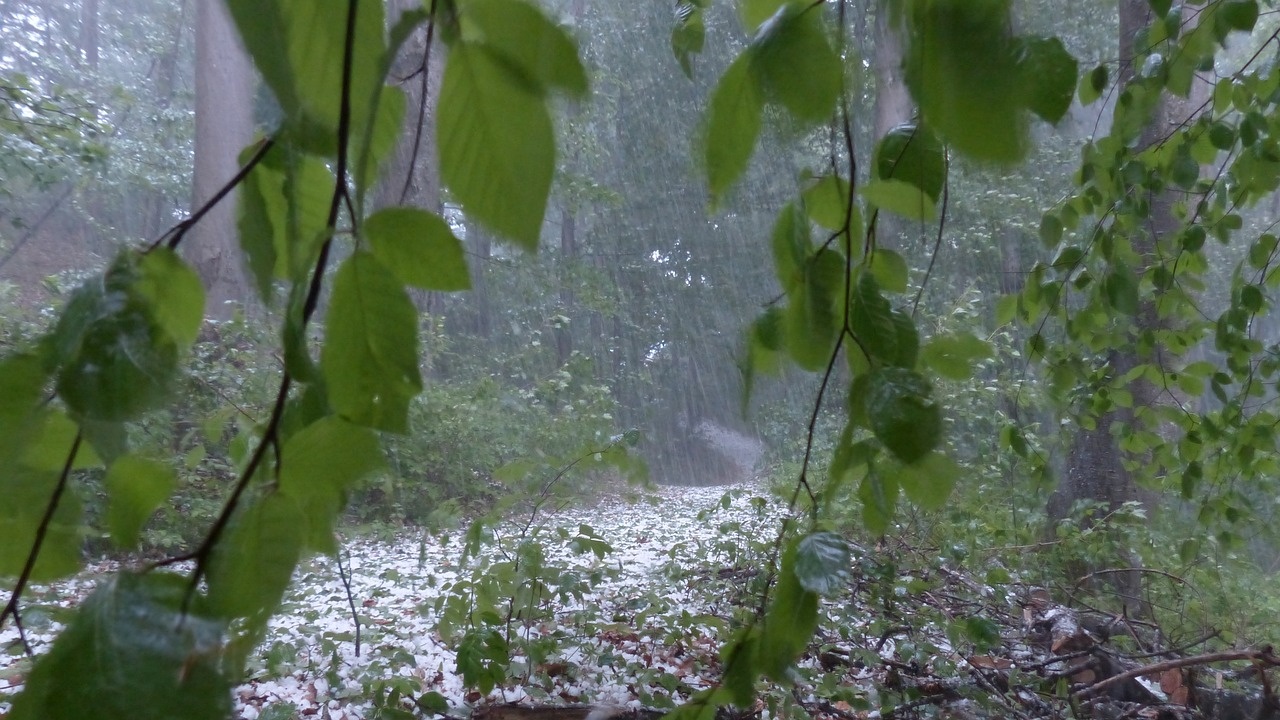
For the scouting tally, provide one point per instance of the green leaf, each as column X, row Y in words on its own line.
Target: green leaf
column 48, row 449
column 983, row 633
column 544, row 55
column 1240, row 15
column 419, row 248
column 261, row 217
column 1092, row 85
column 27, row 494
column 913, row 154
column 889, row 270
column 826, row 202
column 795, row 65
column 733, row 124
column 900, row 198
column 962, row 68
column 1049, row 77
column 755, row 12
column 1050, row 230
column 879, row 496
column 811, row 319
column 790, row 621
column 952, row 356
column 22, row 384
column 1121, row 289
column 928, row 481
column 117, row 360
column 1160, row 7
column 906, row 340
column 300, row 48
column 689, row 35
column 172, row 289
column 370, row 354
column 742, row 666
column 378, row 138
column 822, row 563
column 872, row 321
column 253, row 562
column 135, row 488
column 319, row 465
column 791, row 247
column 497, row 150
column 903, row 415
column 131, row 654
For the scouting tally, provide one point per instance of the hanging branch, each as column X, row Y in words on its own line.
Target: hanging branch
column 351, row 601
column 174, row 235
column 270, row 436
column 11, row 608
column 1265, row 657
column 425, row 70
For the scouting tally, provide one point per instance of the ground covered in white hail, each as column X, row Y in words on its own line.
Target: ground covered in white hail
column 628, row 625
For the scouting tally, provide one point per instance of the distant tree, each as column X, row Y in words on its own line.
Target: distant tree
column 224, row 126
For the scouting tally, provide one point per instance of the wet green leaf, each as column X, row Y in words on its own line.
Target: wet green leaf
column 733, row 124
column 929, row 480
column 130, row 654
column 789, row 622
column 900, row 198
column 826, row 202
column 952, row 356
column 795, row 64
column 173, row 292
column 136, row 486
column 903, row 414
column 370, row 355
column 252, row 564
column 497, row 150
column 27, row 494
column 319, row 465
column 913, row 154
column 822, row 563
column 1049, row 75
column 543, row 54
column 419, row 248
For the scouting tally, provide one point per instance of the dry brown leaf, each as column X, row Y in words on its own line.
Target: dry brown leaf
column 987, row 662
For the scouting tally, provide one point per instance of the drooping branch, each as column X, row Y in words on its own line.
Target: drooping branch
column 15, row 596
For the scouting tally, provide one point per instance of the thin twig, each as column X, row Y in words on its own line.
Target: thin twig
column 174, row 235
column 351, row 601
column 1265, row 656
column 11, row 608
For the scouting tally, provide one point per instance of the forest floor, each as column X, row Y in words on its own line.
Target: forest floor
column 636, row 627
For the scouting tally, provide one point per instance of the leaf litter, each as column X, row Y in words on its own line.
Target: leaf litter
column 637, row 601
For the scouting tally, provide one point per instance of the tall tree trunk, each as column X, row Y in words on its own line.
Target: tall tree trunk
column 224, row 125
column 892, row 108
column 1095, row 468
column 89, row 34
column 568, row 254
column 893, row 103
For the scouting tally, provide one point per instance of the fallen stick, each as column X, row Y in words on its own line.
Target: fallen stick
column 1265, row 656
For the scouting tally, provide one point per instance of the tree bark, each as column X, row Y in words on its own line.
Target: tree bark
column 893, row 107
column 89, row 34
column 568, row 254
column 1095, row 469
column 224, row 125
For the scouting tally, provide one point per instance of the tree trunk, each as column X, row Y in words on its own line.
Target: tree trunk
column 224, row 125
column 892, row 108
column 568, row 254
column 893, row 102
column 89, row 34
column 1095, row 469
